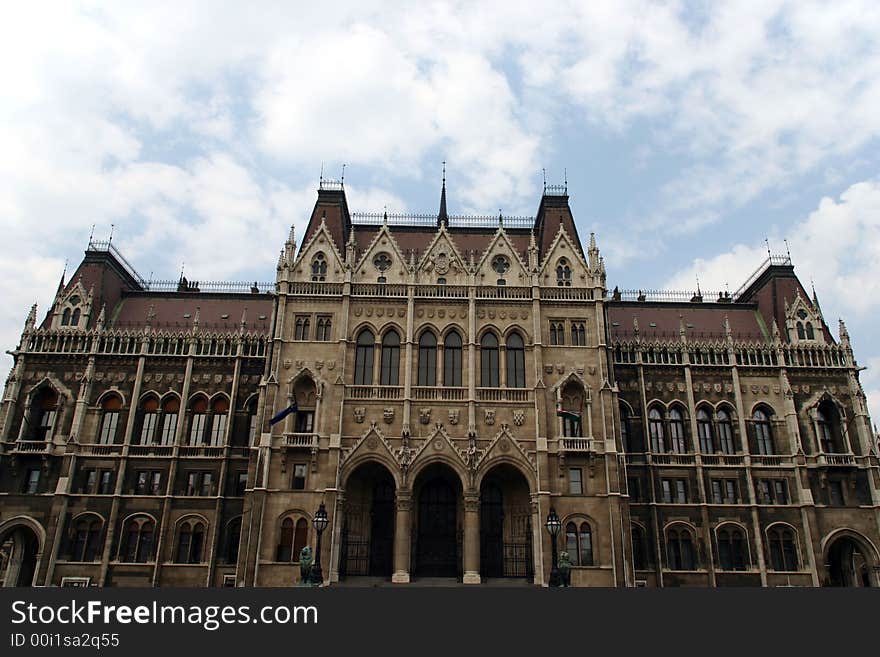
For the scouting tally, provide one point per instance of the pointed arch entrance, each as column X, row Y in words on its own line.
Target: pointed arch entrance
column 368, row 524
column 437, row 531
column 505, row 524
column 19, row 553
column 849, row 563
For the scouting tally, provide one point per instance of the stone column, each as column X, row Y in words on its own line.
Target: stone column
column 471, row 538
column 402, row 537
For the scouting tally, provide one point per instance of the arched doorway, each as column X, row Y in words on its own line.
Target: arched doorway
column 19, row 547
column 438, row 522
column 848, row 564
column 505, row 524
column 368, row 525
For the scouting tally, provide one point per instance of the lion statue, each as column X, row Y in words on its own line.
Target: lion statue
column 565, row 568
column 305, row 565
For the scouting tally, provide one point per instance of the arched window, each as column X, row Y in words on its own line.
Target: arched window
column 219, row 418
column 319, row 267
column 389, row 375
column 199, row 419
column 253, row 425
column 656, row 430
column 725, row 432
column 74, row 318
column 323, row 329
column 763, row 432
column 233, row 538
column 170, row 411
column 677, row 440
column 516, row 361
column 300, row 537
column 811, row 335
column 579, row 543
column 86, row 539
column 828, row 428
column 427, row 360
column 489, row 373
column 625, row 428
column 563, row 273
column 557, row 333
column 452, row 360
column 65, row 317
column 731, row 548
column 190, row 541
column 640, row 548
column 680, row 548
column 137, row 544
column 44, row 408
column 302, row 328
column 109, row 419
column 783, row 549
column 363, row 361
column 149, row 420
column 704, row 429
column 285, row 540
column 800, row 331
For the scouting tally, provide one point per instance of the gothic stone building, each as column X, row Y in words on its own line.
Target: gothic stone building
column 454, row 378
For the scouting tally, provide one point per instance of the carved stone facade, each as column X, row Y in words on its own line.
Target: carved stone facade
column 449, row 383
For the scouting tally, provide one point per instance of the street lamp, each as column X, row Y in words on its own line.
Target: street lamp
column 553, row 525
column 317, row 576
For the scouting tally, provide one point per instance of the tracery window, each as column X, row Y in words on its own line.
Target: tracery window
column 731, row 548
column 190, row 542
column 137, row 543
column 579, row 543
column 319, row 267
column 563, row 273
column 680, row 548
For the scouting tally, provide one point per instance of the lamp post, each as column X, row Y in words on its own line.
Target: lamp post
column 553, row 524
column 317, row 576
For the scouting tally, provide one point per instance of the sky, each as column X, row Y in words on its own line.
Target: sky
column 689, row 133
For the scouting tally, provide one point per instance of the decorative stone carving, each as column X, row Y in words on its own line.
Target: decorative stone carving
column 548, row 369
column 519, row 416
column 388, row 415
column 424, row 415
column 490, row 416
column 453, row 415
column 319, row 364
column 359, row 413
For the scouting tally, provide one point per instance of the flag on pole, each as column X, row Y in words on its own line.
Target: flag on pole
column 571, row 415
column 283, row 413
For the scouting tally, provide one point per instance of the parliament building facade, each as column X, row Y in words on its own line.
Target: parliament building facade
column 453, row 378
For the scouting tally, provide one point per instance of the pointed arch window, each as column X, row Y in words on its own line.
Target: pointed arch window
column 65, row 317
column 625, row 428
column 656, row 431
column 731, row 549
column 680, row 549
column 452, row 360
column 319, row 267
column 219, row 418
column 170, row 412
column 323, row 329
column 579, row 543
column 109, row 419
column 86, row 539
column 725, row 432
column 677, row 439
column 783, row 550
column 811, row 334
column 149, row 421
column 427, row 375
column 704, row 429
column 640, row 548
column 300, row 537
column 557, row 333
column 285, row 541
column 516, row 361
column 190, row 541
column 44, row 408
column 302, row 328
column 389, row 374
column 763, row 432
column 800, row 331
column 489, row 371
column 363, row 362
column 828, row 428
column 198, row 421
column 563, row 273
column 137, row 544
column 74, row 318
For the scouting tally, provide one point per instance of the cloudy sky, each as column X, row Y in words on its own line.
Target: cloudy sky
column 690, row 131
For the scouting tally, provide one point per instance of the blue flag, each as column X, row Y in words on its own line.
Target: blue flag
column 283, row 413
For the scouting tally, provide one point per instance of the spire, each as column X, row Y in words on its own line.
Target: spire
column 196, row 319
column 102, row 317
column 31, row 320
column 151, row 315
column 815, row 298
column 442, row 217
column 243, row 323
column 776, row 336
column 682, row 330
column 844, row 334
